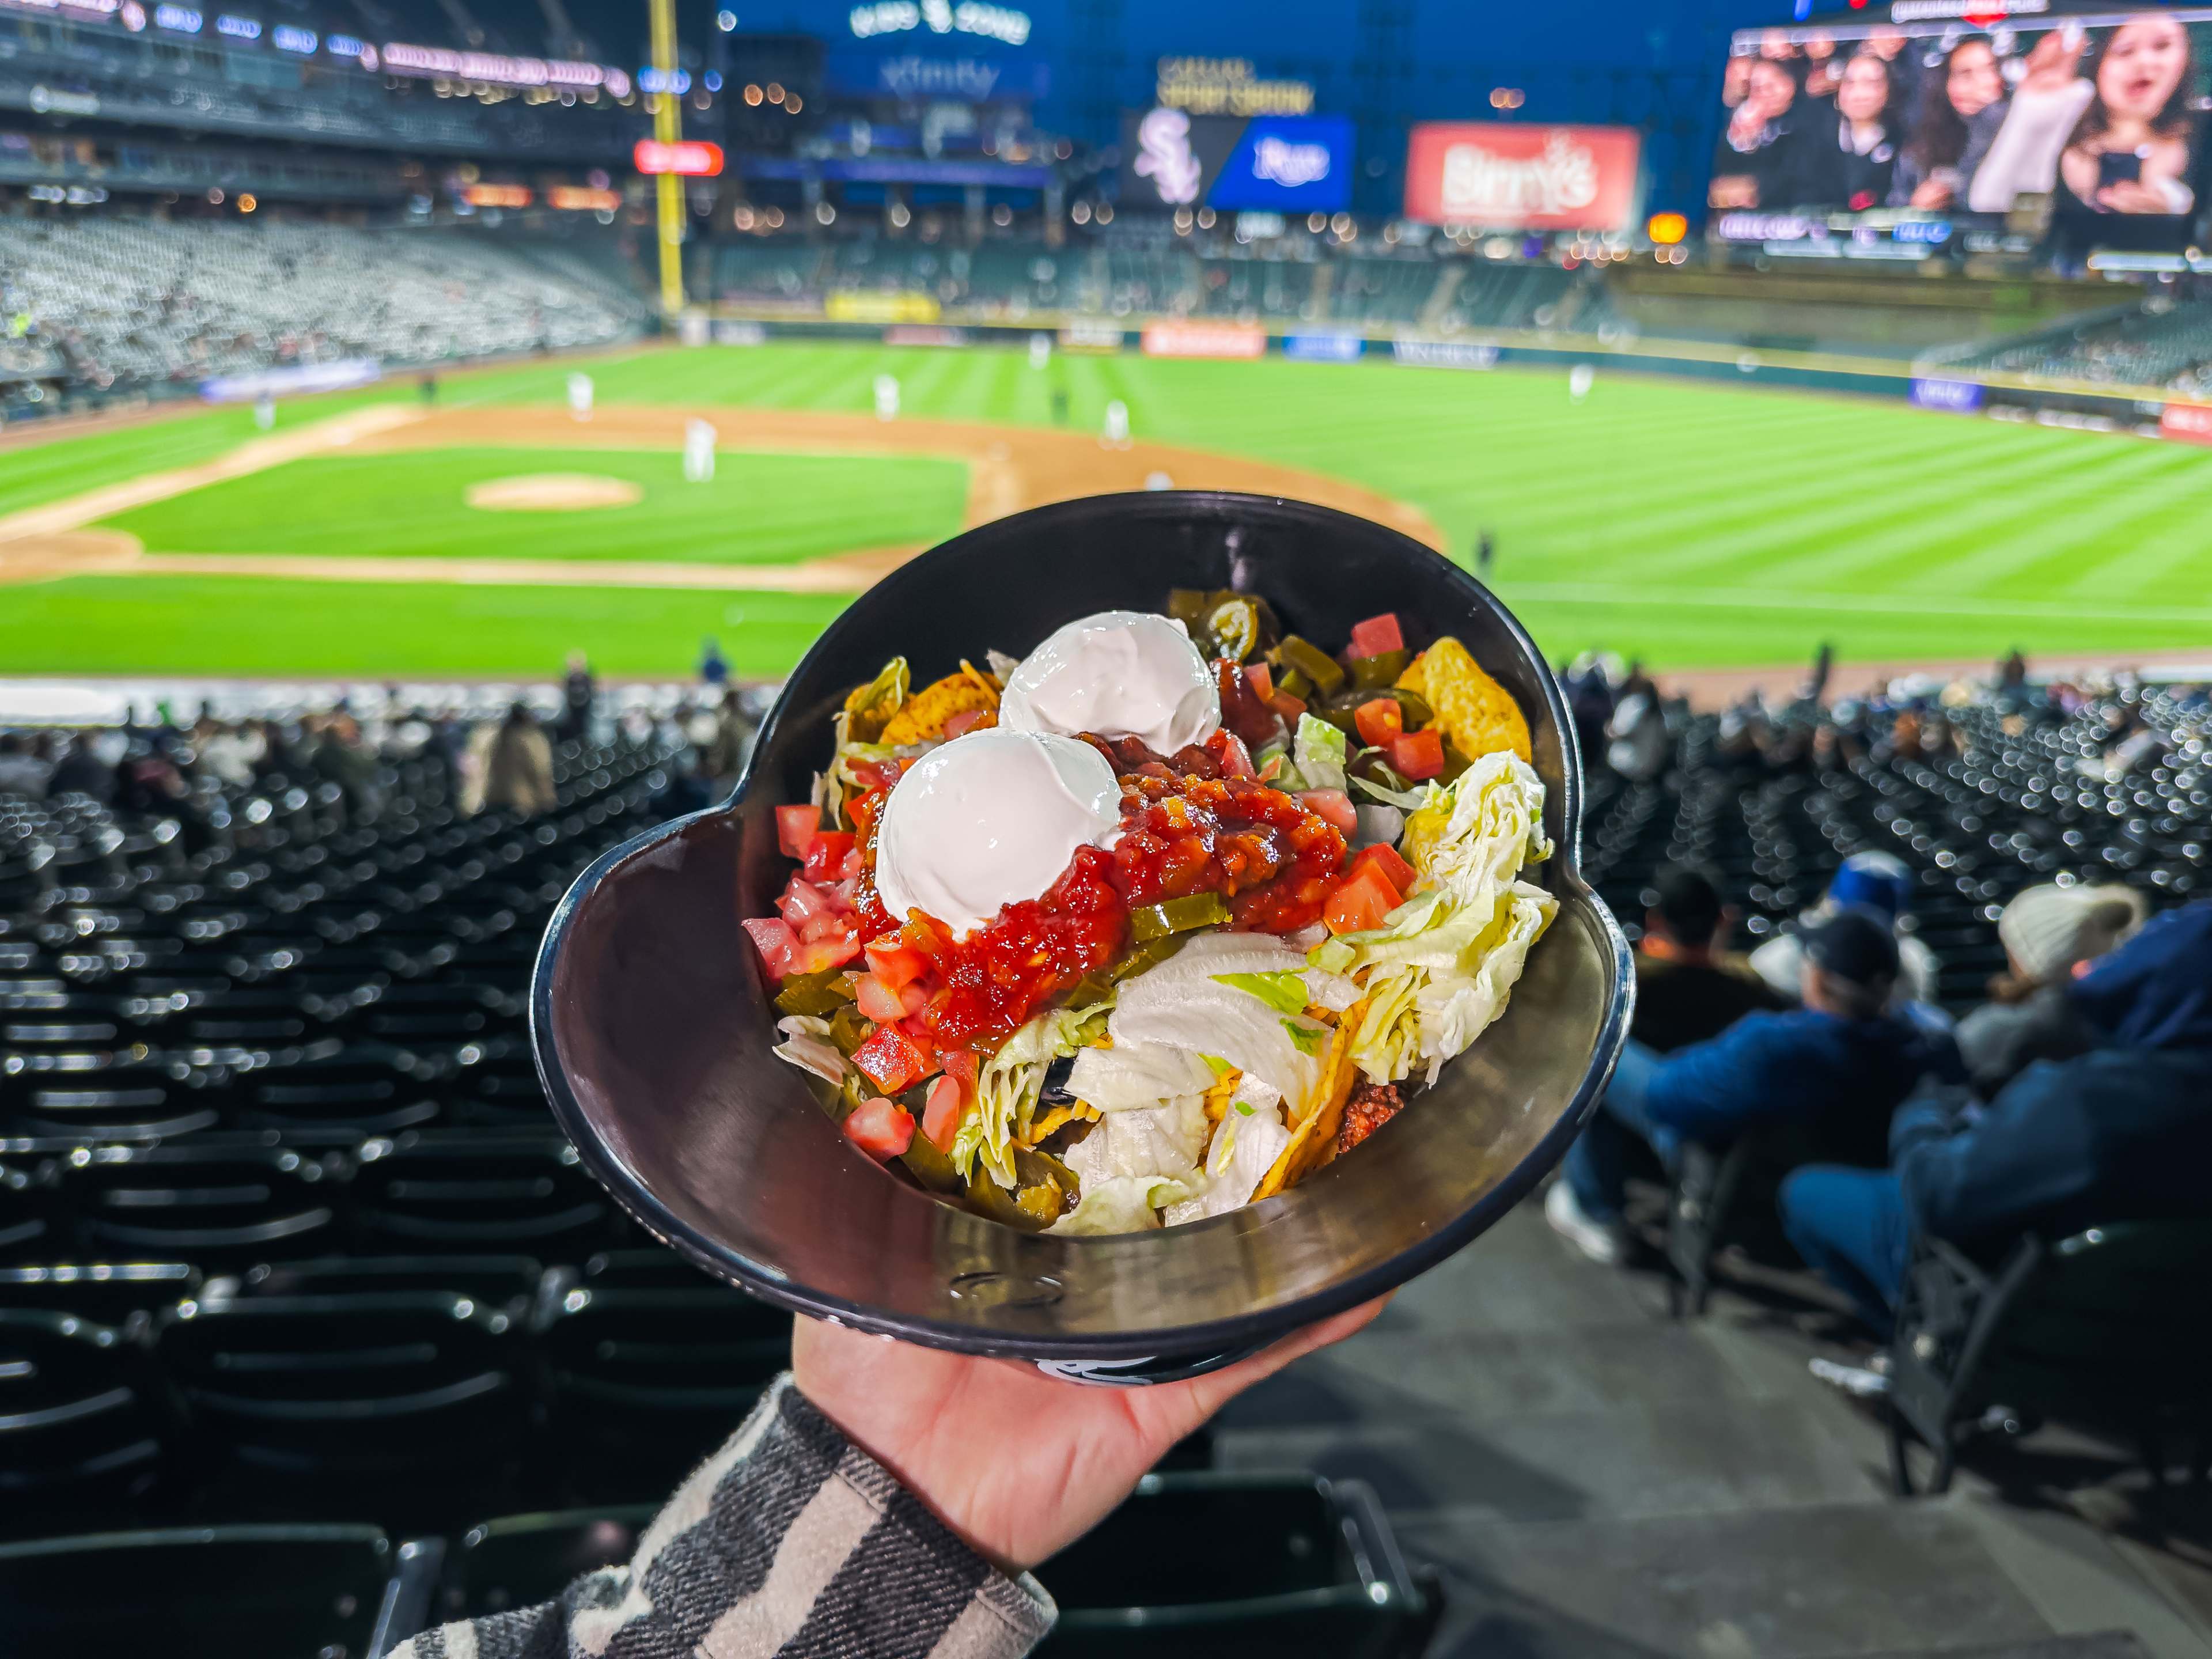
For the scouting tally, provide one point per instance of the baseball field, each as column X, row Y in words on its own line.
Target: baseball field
column 378, row 535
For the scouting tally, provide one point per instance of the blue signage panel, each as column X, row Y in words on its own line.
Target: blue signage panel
column 1287, row 164
column 1324, row 348
column 1959, row 396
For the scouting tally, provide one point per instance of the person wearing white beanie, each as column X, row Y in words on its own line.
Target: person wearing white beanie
column 2046, row 933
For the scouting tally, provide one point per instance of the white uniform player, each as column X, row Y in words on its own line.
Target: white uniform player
column 1580, row 379
column 887, row 397
column 698, row 453
column 579, row 396
column 1116, row 432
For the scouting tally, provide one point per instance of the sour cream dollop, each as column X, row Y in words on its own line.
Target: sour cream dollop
column 990, row 818
column 1118, row 673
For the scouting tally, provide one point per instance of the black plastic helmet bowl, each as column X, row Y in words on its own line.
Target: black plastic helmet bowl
column 653, row 1026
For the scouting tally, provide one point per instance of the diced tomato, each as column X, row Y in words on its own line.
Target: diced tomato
column 1236, row 759
column 1386, row 858
column 846, row 893
column 879, row 1001
column 825, row 854
column 1288, row 707
column 875, row 775
column 1379, row 721
column 830, row 950
column 881, row 1128
column 961, row 1063
column 913, row 998
column 963, row 721
column 779, row 946
column 1362, row 902
column 891, row 1060
column 940, row 1113
column 796, row 827
column 1417, row 755
column 895, row 961
column 1262, row 678
column 1332, row 806
column 828, row 925
column 802, row 902
column 1377, row 635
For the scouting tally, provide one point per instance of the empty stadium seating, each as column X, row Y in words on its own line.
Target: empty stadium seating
column 2156, row 342
column 123, row 300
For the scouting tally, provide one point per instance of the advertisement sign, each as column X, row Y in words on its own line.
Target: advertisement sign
column 1324, row 348
column 924, row 334
column 1227, row 86
column 1529, row 177
column 1268, row 163
column 496, row 196
column 2190, row 423
column 297, row 380
column 962, row 78
column 1958, row 396
column 731, row 331
column 691, row 158
column 1193, row 339
column 873, row 307
column 1445, row 354
column 581, row 198
column 1089, row 334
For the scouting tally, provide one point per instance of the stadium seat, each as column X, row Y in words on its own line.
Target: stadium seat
column 77, row 1435
column 213, row 1204
column 2100, row 1330
column 448, row 1189
column 521, row 1560
column 323, row 1592
column 393, row 1403
column 508, row 1284
column 104, row 1293
column 30, row 1225
column 1225, row 1565
column 643, row 1383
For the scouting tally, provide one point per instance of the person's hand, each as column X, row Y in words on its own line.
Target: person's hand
column 1018, row 1463
column 2132, row 196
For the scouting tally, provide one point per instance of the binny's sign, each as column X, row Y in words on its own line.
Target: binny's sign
column 1525, row 177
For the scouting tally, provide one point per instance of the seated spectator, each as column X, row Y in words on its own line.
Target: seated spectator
column 1841, row 1055
column 580, row 694
column 23, row 770
column 80, row 771
column 2122, row 1133
column 341, row 756
column 518, row 771
column 1688, row 986
column 1878, row 882
column 731, row 742
column 2047, row 932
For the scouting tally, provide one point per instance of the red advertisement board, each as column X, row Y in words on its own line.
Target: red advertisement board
column 2190, row 423
column 1204, row 340
column 693, row 160
column 1525, row 176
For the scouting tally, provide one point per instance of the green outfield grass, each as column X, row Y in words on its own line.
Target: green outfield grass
column 758, row 509
column 1696, row 524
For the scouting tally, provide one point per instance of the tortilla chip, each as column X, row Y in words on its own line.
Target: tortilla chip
column 1313, row 1142
column 1477, row 713
column 1058, row 1117
column 1222, row 1091
column 867, row 707
column 921, row 719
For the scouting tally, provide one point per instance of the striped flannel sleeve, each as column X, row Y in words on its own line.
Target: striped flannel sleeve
column 789, row 1541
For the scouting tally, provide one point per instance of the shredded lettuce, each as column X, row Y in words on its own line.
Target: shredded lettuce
column 1439, row 969
column 1285, row 993
column 1008, row 1083
column 806, row 1045
column 1123, row 1204
column 1309, row 1038
column 1408, row 800
column 1218, row 1066
column 1317, row 754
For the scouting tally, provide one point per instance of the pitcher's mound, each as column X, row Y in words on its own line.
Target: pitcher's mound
column 552, row 492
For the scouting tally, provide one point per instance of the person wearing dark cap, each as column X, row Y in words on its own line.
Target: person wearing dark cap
column 1876, row 881
column 1689, row 987
column 2122, row 1133
column 1840, row 1055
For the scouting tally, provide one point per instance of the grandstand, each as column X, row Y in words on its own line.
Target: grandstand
column 2156, row 342
column 143, row 301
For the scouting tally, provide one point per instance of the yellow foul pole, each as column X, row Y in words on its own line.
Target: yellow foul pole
column 667, row 127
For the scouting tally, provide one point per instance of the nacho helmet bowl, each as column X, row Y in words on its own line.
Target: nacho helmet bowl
column 654, row 1023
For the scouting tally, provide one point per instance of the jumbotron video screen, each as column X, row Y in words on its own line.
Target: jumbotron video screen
column 2098, row 115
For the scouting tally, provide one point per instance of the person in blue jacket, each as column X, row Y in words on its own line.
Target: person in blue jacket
column 1842, row 1051
column 2121, row 1134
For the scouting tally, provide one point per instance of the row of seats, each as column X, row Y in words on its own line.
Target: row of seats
column 1191, row 1564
